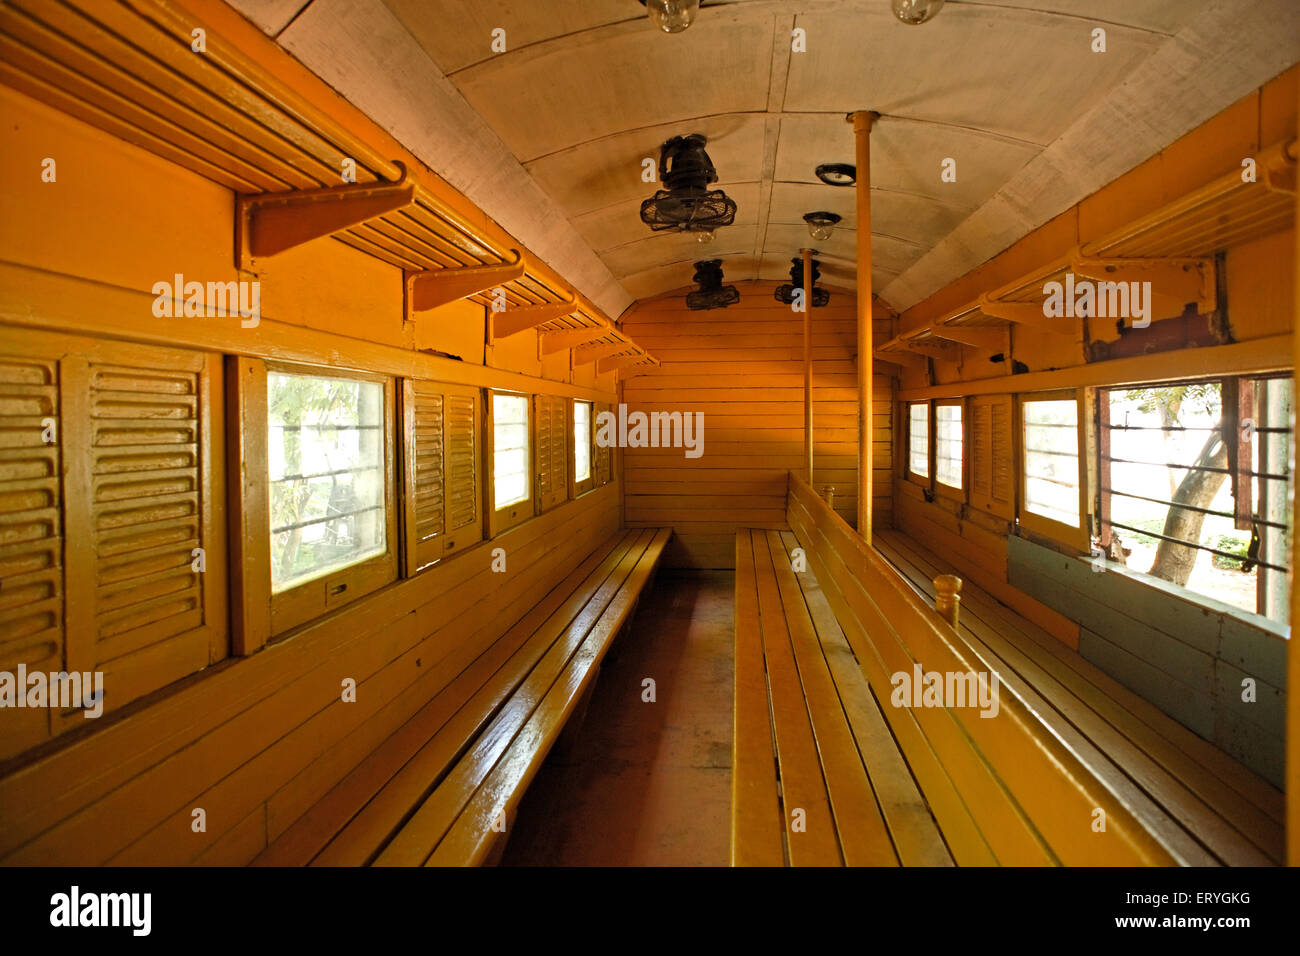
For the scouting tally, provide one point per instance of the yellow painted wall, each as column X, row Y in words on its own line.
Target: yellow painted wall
column 1259, row 290
column 255, row 740
column 742, row 368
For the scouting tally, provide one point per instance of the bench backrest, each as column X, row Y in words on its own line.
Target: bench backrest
column 1004, row 788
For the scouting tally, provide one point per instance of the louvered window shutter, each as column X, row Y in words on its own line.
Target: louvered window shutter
column 552, row 450
column 31, row 532
column 992, row 478
column 463, row 491
column 601, row 456
column 442, row 471
column 129, row 577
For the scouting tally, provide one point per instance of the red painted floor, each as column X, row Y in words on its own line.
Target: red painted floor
column 646, row 783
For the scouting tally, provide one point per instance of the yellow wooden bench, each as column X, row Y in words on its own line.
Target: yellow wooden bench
column 1071, row 769
column 1234, row 813
column 444, row 788
column 805, row 718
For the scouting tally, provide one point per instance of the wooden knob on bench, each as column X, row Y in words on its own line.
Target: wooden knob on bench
column 828, row 493
column 947, row 597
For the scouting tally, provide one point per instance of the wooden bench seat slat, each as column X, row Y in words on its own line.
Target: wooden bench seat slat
column 1077, row 727
column 1237, row 832
column 912, row 826
column 971, row 785
column 757, row 831
column 864, row 838
column 491, row 696
column 471, row 836
column 369, row 800
column 810, row 840
column 415, row 841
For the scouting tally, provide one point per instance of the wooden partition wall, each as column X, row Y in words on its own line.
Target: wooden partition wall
column 742, row 367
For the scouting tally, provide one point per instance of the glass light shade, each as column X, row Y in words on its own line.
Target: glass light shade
column 672, row 16
column 820, row 230
column 704, row 236
column 916, row 11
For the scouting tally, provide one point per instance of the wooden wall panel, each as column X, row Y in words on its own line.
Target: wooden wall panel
column 742, row 367
column 257, row 740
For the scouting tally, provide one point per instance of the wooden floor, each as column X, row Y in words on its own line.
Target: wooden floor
column 646, row 784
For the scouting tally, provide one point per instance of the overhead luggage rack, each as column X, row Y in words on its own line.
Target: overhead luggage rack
column 244, row 114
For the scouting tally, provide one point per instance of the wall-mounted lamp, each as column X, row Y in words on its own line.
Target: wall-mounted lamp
column 821, row 224
column 916, row 11
column 672, row 16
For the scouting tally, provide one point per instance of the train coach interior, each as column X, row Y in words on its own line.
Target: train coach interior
column 739, row 432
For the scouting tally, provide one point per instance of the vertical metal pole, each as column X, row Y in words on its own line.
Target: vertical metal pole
column 862, row 121
column 807, row 366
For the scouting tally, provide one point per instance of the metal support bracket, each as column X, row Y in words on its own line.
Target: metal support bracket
column 435, row 287
column 613, row 363
column 1027, row 315
column 1175, row 283
column 524, row 317
column 270, row 223
column 594, row 352
column 572, row 338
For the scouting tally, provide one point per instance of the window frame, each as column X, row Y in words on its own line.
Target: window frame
column 577, row 487
column 940, row 487
column 925, row 481
column 310, row 600
column 512, row 515
column 1079, row 538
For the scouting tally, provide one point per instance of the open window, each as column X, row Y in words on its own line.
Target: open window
column 583, row 446
column 1193, row 483
column 510, row 491
column 918, row 442
column 949, row 447
column 1052, row 499
column 319, row 512
column 443, row 472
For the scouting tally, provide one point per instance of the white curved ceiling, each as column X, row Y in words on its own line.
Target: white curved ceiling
column 1010, row 89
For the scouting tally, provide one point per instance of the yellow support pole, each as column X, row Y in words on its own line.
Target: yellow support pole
column 862, row 121
column 807, row 365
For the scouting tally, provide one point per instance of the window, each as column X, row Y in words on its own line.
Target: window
column 1193, row 482
column 443, row 471
column 918, row 439
column 582, row 441
column 319, row 529
column 113, row 538
column 511, row 461
column 551, row 415
column 1051, row 486
column 325, row 458
column 992, row 461
column 948, row 444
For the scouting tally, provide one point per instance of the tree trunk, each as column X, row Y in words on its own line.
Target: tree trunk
column 1174, row 562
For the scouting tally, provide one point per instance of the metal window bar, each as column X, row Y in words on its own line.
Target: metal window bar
column 1197, row 547
column 1178, row 467
column 1187, row 428
column 333, row 517
column 1205, row 511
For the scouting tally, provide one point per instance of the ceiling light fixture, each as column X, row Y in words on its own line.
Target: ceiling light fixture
column 672, row 16
column 711, row 294
column 785, row 293
column 687, row 204
column 837, row 174
column 913, row 12
column 821, row 224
